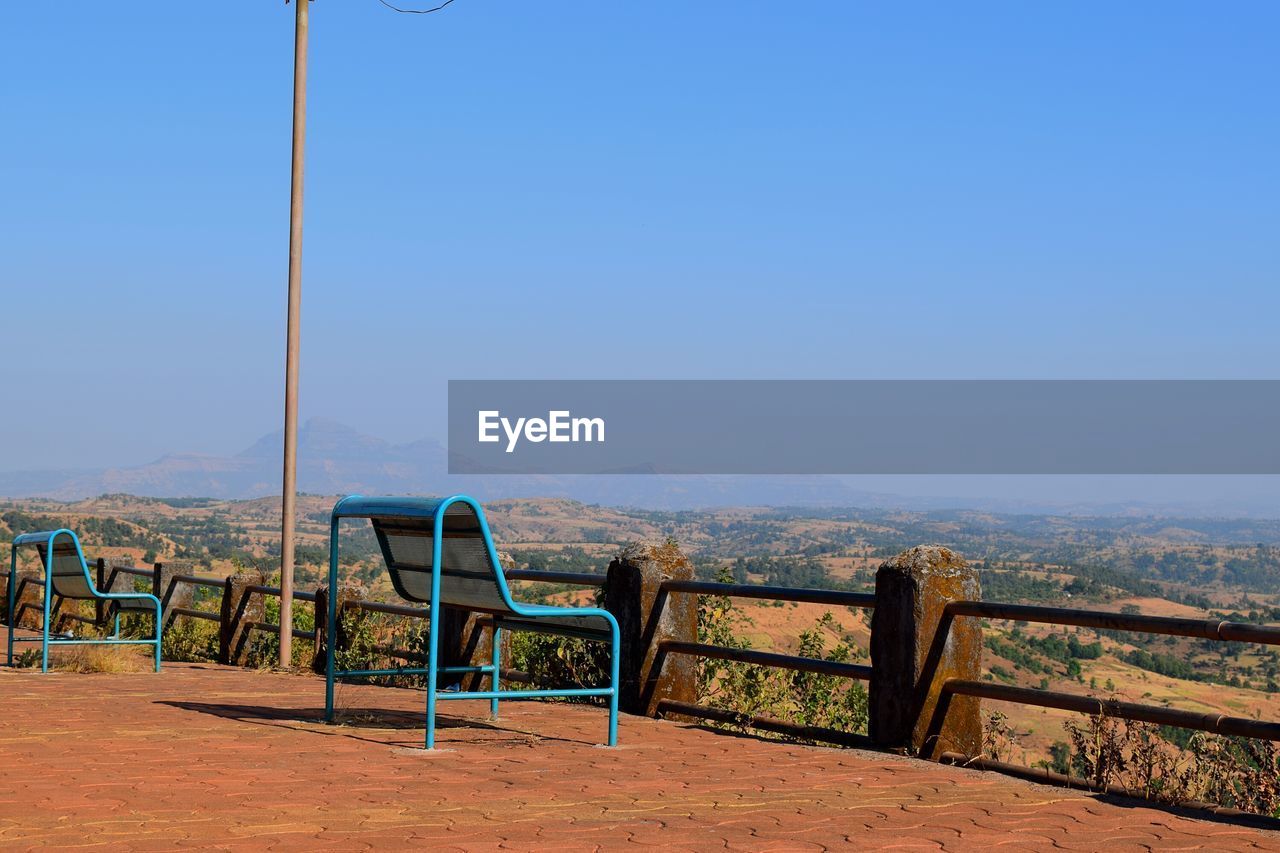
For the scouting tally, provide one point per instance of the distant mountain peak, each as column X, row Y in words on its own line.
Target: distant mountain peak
column 317, row 437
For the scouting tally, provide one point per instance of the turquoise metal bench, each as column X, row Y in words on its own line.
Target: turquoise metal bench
column 66, row 575
column 440, row 552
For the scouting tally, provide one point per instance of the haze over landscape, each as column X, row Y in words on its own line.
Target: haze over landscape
column 337, row 459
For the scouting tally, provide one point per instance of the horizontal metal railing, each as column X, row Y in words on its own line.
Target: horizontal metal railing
column 209, row 582
column 276, row 592
column 194, row 614
column 133, row 570
column 199, row 580
column 761, row 658
column 833, row 597
column 206, row 581
column 794, row 663
column 273, row 628
column 393, row 609
column 541, row 576
column 1205, row 722
column 1176, row 626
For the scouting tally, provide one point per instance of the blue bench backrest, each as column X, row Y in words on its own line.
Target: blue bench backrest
column 70, row 576
column 469, row 576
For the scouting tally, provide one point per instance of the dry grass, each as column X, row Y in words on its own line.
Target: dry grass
column 111, row 659
column 778, row 628
column 1038, row 728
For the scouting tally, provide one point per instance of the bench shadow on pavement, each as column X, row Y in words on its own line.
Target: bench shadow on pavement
column 383, row 726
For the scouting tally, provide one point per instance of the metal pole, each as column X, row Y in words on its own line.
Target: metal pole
column 288, row 508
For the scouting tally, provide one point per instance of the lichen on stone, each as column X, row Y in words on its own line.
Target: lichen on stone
column 924, row 557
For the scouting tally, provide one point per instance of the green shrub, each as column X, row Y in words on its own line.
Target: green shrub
column 560, row 662
column 803, row 698
column 188, row 639
column 264, row 646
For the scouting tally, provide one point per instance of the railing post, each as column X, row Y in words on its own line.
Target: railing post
column 240, row 608
column 466, row 639
column 646, row 617
column 171, row 593
column 915, row 648
column 115, row 581
column 348, row 591
column 100, row 583
column 318, row 661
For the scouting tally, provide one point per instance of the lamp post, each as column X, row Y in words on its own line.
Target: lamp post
column 290, row 491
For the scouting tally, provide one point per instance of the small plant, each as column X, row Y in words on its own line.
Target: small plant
column 1238, row 773
column 555, row 662
column 998, row 737
column 264, row 646
column 562, row 662
column 1173, row 767
column 1096, row 749
column 827, row 701
column 362, row 632
column 804, row 698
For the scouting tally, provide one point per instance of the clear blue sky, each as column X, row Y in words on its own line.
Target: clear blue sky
column 588, row 189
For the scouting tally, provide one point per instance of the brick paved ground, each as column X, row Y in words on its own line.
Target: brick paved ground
column 209, row 756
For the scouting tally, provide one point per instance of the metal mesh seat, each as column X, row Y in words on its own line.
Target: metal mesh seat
column 468, row 578
column 71, row 578
column 553, row 621
column 69, row 573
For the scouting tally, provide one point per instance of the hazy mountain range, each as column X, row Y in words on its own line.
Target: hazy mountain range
column 336, row 459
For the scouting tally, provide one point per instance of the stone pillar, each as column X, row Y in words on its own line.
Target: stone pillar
column 646, row 617
column 240, row 608
column 911, row 657
column 170, row 592
column 466, row 639
column 114, row 580
column 348, row 590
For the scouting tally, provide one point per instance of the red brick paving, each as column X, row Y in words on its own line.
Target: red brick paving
column 222, row 758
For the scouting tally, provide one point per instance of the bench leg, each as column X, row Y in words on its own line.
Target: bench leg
column 13, row 596
column 433, row 637
column 330, row 621
column 496, row 659
column 48, row 600
column 159, row 633
column 613, row 684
